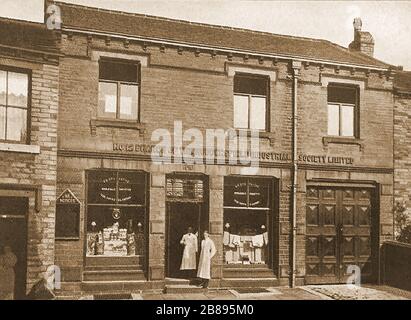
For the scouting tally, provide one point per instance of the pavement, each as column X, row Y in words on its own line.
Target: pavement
column 312, row 292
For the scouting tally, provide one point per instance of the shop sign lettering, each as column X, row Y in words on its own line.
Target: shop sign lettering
column 265, row 156
column 67, row 197
column 323, row 159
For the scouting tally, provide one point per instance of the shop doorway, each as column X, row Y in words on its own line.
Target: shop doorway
column 185, row 208
column 13, row 233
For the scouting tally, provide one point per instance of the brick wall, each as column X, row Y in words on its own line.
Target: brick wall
column 197, row 90
column 37, row 169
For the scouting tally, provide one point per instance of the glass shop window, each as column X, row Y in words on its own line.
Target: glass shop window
column 119, row 86
column 116, row 213
column 250, row 102
column 247, row 208
column 14, row 106
column 343, row 110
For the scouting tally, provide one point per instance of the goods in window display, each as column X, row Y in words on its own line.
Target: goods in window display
column 229, row 247
column 131, row 244
column 115, row 248
column 117, row 244
column 140, row 240
column 91, row 240
column 123, row 234
column 107, row 234
column 116, row 201
column 91, row 243
column 245, row 249
column 130, row 238
column 99, row 244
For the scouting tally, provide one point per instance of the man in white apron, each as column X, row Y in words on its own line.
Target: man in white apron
column 208, row 251
column 189, row 261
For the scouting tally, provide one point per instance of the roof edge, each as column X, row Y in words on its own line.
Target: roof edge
column 229, row 49
column 161, row 18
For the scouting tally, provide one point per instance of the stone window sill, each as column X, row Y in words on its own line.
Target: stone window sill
column 20, row 148
column 262, row 134
column 120, row 124
column 343, row 140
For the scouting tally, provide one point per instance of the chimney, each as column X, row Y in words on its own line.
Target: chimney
column 363, row 41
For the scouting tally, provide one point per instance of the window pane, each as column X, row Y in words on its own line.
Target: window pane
column 258, row 113
column 240, row 112
column 128, row 102
column 107, row 101
column 2, row 123
column 342, row 94
column 102, row 187
column 117, row 231
column 17, row 89
column 333, row 120
column 347, row 117
column 118, row 71
column 3, row 87
column 16, row 124
column 249, row 84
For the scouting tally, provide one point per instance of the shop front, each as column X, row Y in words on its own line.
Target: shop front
column 116, row 225
column 249, row 231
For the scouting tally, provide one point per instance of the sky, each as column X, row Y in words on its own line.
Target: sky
column 388, row 21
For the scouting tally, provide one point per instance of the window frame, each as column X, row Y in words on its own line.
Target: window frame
column 27, row 72
column 144, row 207
column 249, row 96
column 118, row 83
column 356, row 111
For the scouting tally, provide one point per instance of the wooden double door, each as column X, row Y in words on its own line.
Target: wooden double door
column 340, row 233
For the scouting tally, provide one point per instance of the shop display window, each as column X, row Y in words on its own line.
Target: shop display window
column 116, row 213
column 246, row 220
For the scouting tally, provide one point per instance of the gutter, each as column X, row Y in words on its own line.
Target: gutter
column 232, row 50
column 296, row 66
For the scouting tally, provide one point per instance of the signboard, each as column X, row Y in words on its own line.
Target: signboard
column 67, row 216
column 263, row 156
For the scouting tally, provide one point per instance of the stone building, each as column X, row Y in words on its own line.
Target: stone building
column 29, row 82
column 315, row 202
column 320, row 201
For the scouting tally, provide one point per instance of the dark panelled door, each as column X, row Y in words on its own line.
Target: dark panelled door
column 338, row 233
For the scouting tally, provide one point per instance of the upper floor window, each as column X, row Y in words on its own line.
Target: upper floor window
column 342, row 110
column 119, row 85
column 14, row 106
column 250, row 102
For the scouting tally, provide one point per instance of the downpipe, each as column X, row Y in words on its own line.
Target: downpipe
column 296, row 67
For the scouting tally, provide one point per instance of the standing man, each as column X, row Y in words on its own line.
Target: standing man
column 204, row 266
column 188, row 262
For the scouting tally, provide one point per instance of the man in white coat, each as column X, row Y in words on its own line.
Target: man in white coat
column 204, row 265
column 189, row 261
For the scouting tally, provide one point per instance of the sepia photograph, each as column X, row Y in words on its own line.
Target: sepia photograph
column 218, row 151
